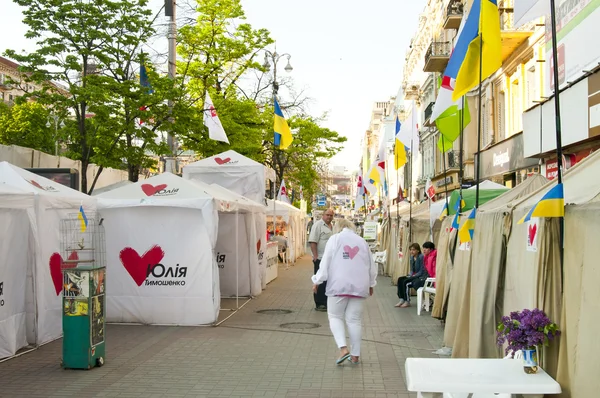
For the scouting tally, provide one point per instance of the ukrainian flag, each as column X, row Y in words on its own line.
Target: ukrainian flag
column 444, row 211
column 465, row 233
column 551, row 205
column 482, row 26
column 457, row 208
column 400, row 149
column 283, row 134
column 82, row 219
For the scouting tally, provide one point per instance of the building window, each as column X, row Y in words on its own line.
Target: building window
column 485, row 123
column 500, row 111
column 516, row 110
column 531, row 87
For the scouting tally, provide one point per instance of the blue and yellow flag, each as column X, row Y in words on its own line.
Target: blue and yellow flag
column 444, row 211
column 482, row 26
column 551, row 205
column 283, row 134
column 457, row 208
column 400, row 150
column 82, row 219
column 465, row 233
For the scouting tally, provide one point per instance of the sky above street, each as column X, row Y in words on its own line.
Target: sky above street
column 346, row 54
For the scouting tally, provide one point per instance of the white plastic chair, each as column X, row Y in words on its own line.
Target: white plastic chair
column 380, row 259
column 425, row 291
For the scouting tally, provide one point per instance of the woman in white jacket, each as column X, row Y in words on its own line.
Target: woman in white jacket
column 348, row 267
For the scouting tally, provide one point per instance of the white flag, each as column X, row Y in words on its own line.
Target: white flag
column 211, row 120
column 282, row 195
column 528, row 10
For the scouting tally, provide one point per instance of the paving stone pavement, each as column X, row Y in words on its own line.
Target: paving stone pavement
column 251, row 354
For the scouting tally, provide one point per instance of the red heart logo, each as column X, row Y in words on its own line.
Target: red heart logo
column 150, row 189
column 137, row 265
column 258, row 243
column 56, row 264
column 352, row 251
column 222, row 161
column 532, row 232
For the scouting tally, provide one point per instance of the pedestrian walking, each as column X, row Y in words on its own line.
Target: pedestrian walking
column 350, row 272
column 319, row 235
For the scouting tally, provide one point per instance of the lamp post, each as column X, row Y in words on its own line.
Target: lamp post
column 55, row 118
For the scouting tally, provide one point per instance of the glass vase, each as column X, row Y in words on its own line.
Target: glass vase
column 530, row 360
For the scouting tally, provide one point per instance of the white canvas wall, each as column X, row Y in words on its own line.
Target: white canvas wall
column 233, row 255
column 176, row 238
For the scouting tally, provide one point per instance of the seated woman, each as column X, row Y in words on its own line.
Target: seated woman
column 430, row 257
column 416, row 279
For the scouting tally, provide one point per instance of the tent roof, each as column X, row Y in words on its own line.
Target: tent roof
column 30, row 182
column 233, row 201
column 487, row 184
column 469, row 195
column 283, row 208
column 227, row 159
column 164, row 189
column 110, row 187
column 527, row 187
column 581, row 183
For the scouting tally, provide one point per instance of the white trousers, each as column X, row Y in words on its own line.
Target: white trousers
column 350, row 310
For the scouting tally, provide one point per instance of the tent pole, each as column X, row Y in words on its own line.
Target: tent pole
column 478, row 170
column 237, row 261
column 559, row 153
column 445, row 171
column 411, row 193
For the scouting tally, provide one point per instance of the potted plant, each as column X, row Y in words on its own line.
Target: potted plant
column 525, row 331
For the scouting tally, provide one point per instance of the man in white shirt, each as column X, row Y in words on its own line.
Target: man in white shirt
column 319, row 235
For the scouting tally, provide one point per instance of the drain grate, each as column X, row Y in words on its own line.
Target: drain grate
column 275, row 311
column 300, row 325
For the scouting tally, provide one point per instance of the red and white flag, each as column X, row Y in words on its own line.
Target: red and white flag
column 430, row 190
column 282, row 195
column 211, row 120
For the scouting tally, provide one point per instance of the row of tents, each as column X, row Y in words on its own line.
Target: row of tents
column 511, row 267
column 208, row 228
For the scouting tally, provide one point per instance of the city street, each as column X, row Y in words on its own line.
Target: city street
column 251, row 354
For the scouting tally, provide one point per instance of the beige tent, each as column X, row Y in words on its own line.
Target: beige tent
column 476, row 295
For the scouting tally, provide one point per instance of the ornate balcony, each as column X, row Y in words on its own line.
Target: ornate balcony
column 412, row 90
column 437, row 57
column 454, row 14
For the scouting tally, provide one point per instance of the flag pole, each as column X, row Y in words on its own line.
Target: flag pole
column 559, row 153
column 478, row 169
column 460, row 153
column 445, row 172
column 411, row 192
column 399, row 187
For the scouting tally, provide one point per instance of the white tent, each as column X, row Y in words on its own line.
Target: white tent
column 53, row 202
column 160, row 238
column 17, row 226
column 240, row 273
column 232, row 171
column 296, row 220
column 259, row 213
column 110, row 187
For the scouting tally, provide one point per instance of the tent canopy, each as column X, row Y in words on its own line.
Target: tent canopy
column 110, row 187
column 230, row 170
column 487, row 191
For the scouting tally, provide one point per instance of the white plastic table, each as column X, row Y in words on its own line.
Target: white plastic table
column 462, row 377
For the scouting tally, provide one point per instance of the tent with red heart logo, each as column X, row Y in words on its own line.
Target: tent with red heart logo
column 160, row 237
column 17, row 230
column 53, row 202
column 232, row 171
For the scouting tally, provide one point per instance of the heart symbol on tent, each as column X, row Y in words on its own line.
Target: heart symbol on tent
column 532, row 232
column 258, row 243
column 150, row 189
column 137, row 265
column 222, row 161
column 56, row 263
column 352, row 251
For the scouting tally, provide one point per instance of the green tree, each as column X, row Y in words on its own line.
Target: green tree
column 299, row 163
column 83, row 45
column 216, row 51
column 24, row 124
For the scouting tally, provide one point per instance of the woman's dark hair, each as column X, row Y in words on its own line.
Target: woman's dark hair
column 428, row 245
column 415, row 246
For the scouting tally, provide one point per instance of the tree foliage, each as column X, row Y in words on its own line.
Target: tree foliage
column 24, row 124
column 90, row 47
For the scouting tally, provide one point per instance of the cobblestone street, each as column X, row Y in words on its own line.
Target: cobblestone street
column 251, row 354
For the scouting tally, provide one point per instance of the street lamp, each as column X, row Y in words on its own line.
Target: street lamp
column 273, row 58
column 48, row 125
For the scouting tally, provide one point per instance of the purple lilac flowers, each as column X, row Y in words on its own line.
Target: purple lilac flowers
column 526, row 330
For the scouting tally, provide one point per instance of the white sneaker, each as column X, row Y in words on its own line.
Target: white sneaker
column 399, row 303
